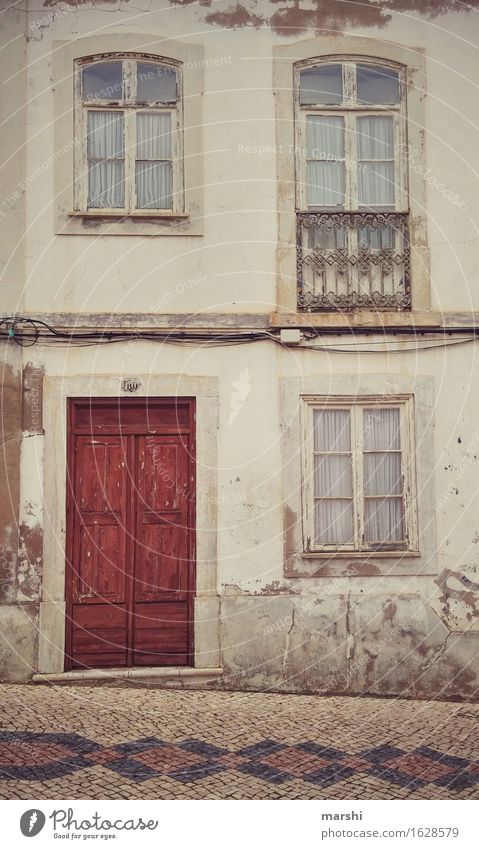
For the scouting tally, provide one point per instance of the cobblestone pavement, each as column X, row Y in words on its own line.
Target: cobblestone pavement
column 81, row 742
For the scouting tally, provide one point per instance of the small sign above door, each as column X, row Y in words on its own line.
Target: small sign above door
column 130, row 384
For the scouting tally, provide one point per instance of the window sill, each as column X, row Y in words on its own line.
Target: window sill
column 104, row 213
column 359, row 555
column 355, row 564
column 104, row 222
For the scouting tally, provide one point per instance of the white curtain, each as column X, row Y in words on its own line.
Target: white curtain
column 383, row 520
column 332, row 430
column 328, row 238
column 325, row 175
column 154, row 167
column 333, row 477
column 383, row 509
column 376, row 160
column 106, row 167
column 375, row 238
column 382, row 474
column 381, row 429
column 333, row 522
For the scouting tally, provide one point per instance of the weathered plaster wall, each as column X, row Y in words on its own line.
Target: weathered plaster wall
column 402, row 632
column 412, row 631
column 231, row 268
column 18, row 605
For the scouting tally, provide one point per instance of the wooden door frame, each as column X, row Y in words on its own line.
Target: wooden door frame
column 147, row 401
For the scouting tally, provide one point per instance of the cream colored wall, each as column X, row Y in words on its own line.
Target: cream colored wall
column 269, row 627
column 249, row 481
column 235, row 259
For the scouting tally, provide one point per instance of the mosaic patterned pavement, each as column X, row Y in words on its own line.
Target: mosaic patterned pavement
column 87, row 742
column 40, row 757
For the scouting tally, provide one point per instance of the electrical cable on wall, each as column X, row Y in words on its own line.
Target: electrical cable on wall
column 27, row 332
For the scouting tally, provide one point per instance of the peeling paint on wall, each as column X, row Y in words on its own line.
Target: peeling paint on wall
column 288, row 19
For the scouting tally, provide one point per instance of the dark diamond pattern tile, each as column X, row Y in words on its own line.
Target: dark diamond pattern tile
column 27, row 756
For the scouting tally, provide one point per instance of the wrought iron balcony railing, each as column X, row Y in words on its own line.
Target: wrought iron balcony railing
column 349, row 260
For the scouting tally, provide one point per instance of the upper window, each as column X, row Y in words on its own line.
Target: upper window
column 129, row 123
column 351, row 186
column 350, row 122
column 359, row 475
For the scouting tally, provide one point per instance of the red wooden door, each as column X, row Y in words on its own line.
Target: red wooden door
column 130, row 534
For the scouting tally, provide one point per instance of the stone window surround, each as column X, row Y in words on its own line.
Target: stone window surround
column 356, row 405
column 98, row 222
column 353, row 48
column 56, row 391
column 298, row 563
column 129, row 109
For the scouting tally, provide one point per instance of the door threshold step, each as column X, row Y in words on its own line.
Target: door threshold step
column 176, row 674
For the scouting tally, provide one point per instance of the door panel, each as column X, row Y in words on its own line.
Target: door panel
column 130, row 579
column 100, row 517
column 161, row 638
column 161, row 554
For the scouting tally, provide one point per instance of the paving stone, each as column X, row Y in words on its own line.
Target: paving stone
column 141, row 742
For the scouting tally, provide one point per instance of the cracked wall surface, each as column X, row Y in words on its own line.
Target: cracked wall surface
column 270, row 617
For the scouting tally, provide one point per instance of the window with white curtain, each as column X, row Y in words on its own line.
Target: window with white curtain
column 128, row 119
column 350, row 119
column 359, row 475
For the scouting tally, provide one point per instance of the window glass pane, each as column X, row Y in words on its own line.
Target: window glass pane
column 332, row 430
column 102, row 81
column 381, row 429
column 382, row 474
column 154, row 185
column 333, row 522
column 376, row 184
column 375, row 137
column 324, row 137
column 321, row 85
column 328, row 238
column 105, row 135
column 333, row 478
column 384, row 520
column 106, row 170
column 106, row 181
column 376, row 238
column 153, row 135
column 377, row 84
column 325, row 183
column 155, row 83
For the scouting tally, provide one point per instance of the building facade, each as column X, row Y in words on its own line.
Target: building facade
column 240, row 274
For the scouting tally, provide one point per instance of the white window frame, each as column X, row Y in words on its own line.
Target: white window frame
column 356, row 405
column 350, row 110
column 130, row 108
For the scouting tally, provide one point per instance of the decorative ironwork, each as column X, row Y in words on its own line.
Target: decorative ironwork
column 352, row 260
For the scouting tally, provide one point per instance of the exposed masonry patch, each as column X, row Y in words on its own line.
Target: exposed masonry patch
column 458, row 605
column 29, row 570
column 290, row 19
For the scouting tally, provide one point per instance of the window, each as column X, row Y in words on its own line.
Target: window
column 129, row 120
column 351, row 198
column 359, row 475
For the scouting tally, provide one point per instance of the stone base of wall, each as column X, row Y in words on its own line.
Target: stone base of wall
column 18, row 641
column 394, row 645
column 346, row 644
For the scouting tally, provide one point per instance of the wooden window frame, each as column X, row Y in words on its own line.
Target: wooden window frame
column 350, row 110
column 356, row 406
column 129, row 107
